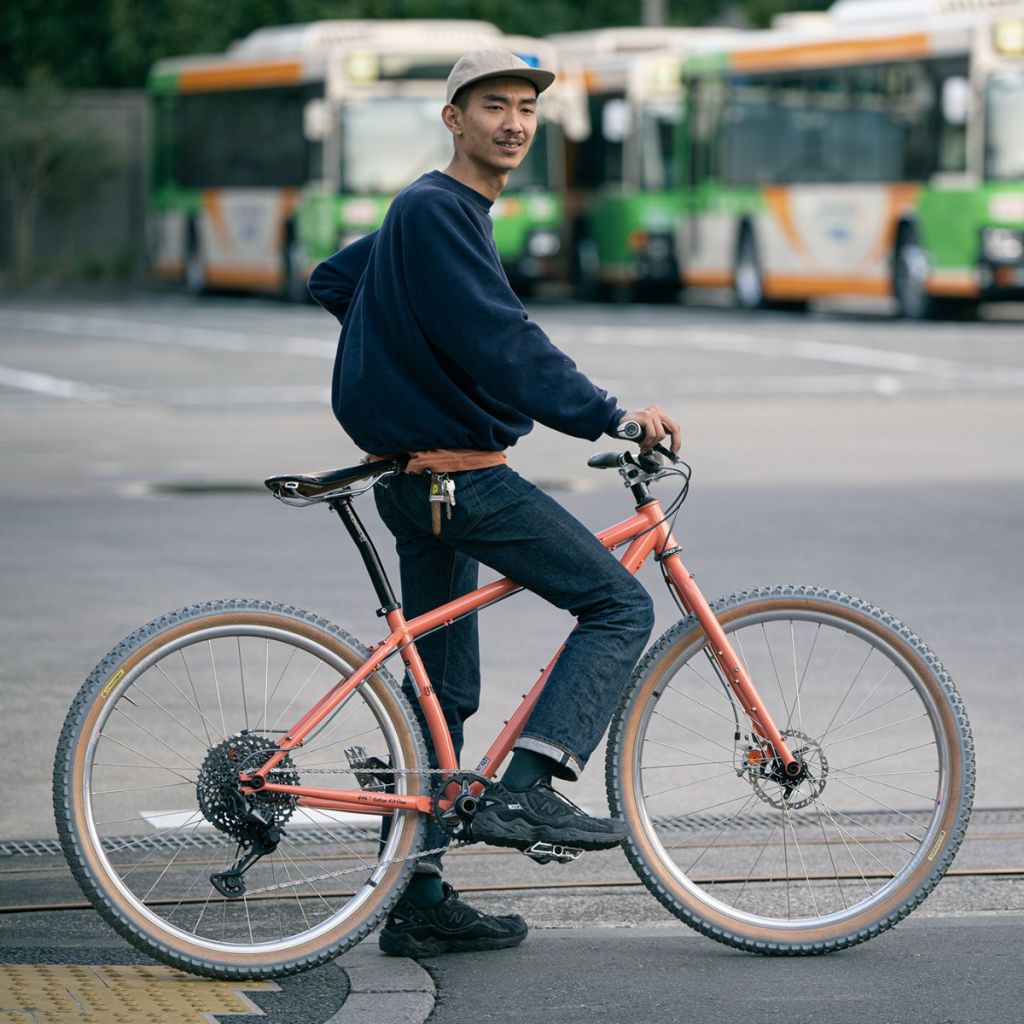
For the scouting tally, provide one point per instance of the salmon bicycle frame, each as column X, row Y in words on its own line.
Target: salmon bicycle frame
column 646, row 532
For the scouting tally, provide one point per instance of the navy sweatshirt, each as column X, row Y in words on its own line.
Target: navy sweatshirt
column 436, row 350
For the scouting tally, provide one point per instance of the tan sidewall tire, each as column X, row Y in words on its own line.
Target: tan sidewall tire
column 877, row 916
column 89, row 866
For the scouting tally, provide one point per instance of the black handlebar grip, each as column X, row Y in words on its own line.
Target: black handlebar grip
column 629, row 430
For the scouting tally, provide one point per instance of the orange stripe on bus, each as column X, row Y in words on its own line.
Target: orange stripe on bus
column 807, row 55
column 241, row 76
column 900, row 198
column 777, row 199
column 707, row 278
column 954, row 287
column 794, row 286
column 215, row 216
column 242, row 277
column 169, row 268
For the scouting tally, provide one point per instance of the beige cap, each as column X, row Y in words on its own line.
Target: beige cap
column 472, row 67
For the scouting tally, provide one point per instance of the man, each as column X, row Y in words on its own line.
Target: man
column 439, row 359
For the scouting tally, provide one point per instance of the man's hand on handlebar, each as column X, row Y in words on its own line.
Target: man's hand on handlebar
column 656, row 425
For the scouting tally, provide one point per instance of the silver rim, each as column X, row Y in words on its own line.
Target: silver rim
column 155, row 845
column 723, row 832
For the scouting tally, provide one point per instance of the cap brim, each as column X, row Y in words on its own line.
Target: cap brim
column 538, row 76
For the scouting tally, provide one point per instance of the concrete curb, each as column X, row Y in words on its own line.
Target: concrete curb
column 384, row 990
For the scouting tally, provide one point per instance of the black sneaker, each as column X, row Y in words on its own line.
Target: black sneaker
column 449, row 927
column 540, row 815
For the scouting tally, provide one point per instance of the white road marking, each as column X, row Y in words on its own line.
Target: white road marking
column 116, row 329
column 54, row 387
column 820, row 351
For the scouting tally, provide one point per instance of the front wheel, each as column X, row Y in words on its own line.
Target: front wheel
column 764, row 863
column 147, row 802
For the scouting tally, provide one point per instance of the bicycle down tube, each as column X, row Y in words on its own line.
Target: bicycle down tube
column 646, row 532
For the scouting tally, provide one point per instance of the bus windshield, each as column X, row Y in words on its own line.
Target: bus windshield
column 657, row 134
column 387, row 142
column 1004, row 151
column 532, row 174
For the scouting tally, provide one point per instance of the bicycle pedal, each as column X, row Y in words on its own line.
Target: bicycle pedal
column 545, row 853
column 367, row 770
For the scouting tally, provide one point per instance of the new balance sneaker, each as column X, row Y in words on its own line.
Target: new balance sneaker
column 508, row 817
column 449, row 927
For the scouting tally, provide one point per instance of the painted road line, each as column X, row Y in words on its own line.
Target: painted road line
column 54, row 387
column 816, row 351
column 118, row 329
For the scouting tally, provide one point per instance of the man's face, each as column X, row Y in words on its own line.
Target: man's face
column 499, row 122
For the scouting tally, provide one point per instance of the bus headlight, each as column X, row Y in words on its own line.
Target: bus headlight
column 543, row 244
column 1002, row 245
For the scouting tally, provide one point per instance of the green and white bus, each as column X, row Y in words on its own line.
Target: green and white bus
column 624, row 166
column 269, row 157
column 876, row 150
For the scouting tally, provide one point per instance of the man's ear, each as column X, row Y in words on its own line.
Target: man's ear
column 452, row 117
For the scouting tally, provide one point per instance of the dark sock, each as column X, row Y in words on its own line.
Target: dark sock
column 525, row 769
column 425, row 890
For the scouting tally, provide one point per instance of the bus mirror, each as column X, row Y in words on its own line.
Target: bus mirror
column 956, row 100
column 316, row 120
column 615, row 119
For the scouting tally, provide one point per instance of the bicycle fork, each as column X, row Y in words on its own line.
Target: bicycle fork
column 730, row 667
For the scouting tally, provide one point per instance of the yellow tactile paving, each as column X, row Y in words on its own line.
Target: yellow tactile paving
column 84, row 994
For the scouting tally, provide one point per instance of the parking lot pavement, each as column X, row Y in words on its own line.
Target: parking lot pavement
column 601, row 949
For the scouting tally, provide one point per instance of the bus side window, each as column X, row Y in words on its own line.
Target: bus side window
column 707, row 138
column 951, row 113
column 600, row 155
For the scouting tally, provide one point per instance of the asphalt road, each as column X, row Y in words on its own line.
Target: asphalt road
column 844, row 449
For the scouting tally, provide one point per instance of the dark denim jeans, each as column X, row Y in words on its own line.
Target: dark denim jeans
column 507, row 523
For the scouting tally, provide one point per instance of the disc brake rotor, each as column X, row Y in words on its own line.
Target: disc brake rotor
column 776, row 789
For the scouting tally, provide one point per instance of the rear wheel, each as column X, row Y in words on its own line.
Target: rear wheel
column 754, row 860
column 146, row 794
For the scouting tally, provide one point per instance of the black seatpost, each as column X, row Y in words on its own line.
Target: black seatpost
column 378, row 577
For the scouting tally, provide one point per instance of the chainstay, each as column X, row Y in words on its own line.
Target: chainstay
column 328, row 875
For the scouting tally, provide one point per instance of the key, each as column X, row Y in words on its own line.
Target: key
column 448, row 487
column 438, row 497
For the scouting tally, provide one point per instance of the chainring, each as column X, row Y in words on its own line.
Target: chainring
column 455, row 820
column 219, row 794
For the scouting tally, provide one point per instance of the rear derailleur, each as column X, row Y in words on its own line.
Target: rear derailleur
column 259, row 836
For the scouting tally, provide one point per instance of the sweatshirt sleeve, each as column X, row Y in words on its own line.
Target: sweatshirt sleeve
column 334, row 281
column 468, row 310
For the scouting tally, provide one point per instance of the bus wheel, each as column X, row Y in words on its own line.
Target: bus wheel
column 294, row 272
column 586, row 270
column 747, row 283
column 910, row 277
column 195, row 267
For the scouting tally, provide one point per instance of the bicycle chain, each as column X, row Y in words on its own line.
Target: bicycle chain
column 326, row 876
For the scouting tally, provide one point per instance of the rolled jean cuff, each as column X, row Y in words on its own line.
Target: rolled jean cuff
column 569, row 766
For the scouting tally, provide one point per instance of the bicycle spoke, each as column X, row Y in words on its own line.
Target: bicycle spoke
column 769, row 855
